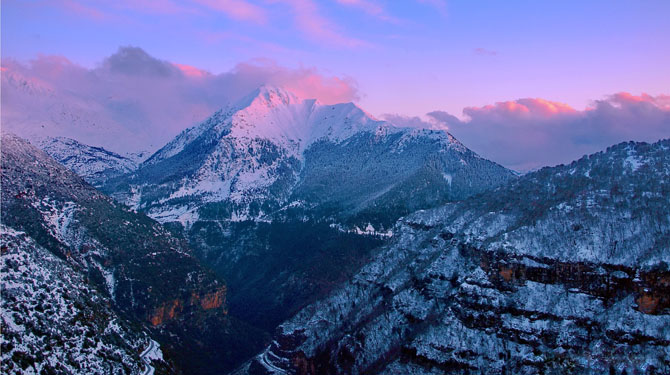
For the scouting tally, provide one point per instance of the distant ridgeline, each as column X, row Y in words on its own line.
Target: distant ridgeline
column 373, row 248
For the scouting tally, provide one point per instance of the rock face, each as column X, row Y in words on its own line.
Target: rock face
column 148, row 275
column 563, row 271
column 172, row 309
column 285, row 197
column 95, row 164
column 54, row 322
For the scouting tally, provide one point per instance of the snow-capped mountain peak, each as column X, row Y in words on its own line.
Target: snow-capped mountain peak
column 271, row 147
column 268, row 95
column 272, row 113
column 277, row 114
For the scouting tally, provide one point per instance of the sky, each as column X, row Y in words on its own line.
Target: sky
column 476, row 63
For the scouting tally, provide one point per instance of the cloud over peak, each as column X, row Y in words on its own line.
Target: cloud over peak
column 133, row 101
column 528, row 133
column 527, row 108
column 135, row 61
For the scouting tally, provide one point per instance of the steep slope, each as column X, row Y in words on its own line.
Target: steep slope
column 54, row 322
column 148, row 274
column 563, row 271
column 285, row 197
column 95, row 164
column 274, row 269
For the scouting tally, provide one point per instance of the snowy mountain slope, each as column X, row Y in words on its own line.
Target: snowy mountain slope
column 94, row 164
column 269, row 151
column 564, row 270
column 273, row 170
column 54, row 322
column 608, row 207
column 378, row 177
column 149, row 275
column 275, row 114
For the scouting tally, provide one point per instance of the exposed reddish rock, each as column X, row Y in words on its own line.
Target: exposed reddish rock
column 171, row 309
column 506, row 273
column 648, row 303
column 653, row 288
column 303, row 365
column 214, row 299
column 166, row 311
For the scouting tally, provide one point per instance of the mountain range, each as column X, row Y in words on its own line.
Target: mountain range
column 564, row 270
column 360, row 246
column 275, row 192
column 272, row 152
column 94, row 164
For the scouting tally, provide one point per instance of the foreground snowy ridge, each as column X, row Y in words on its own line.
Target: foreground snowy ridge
column 53, row 321
column 124, row 264
column 565, row 269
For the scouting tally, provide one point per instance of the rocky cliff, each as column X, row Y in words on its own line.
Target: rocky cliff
column 563, row 271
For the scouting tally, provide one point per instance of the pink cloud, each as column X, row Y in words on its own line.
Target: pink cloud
column 624, row 98
column 546, row 107
column 529, row 133
column 240, row 10
column 13, row 73
column 371, row 8
column 237, row 9
column 134, row 101
column 306, row 83
column 191, row 71
column 314, row 26
column 306, row 15
column 527, row 108
column 329, row 90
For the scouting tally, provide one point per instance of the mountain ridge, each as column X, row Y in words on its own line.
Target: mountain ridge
column 95, row 164
column 253, row 154
column 245, row 184
column 149, row 276
column 565, row 269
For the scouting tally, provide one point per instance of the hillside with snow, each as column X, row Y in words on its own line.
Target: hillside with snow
column 273, row 150
column 564, row 270
column 103, row 261
column 53, row 321
column 284, row 197
column 95, row 164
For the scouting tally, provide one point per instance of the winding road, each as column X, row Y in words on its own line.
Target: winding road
column 149, row 369
column 265, row 361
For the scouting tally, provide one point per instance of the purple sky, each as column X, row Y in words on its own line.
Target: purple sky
column 529, row 83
